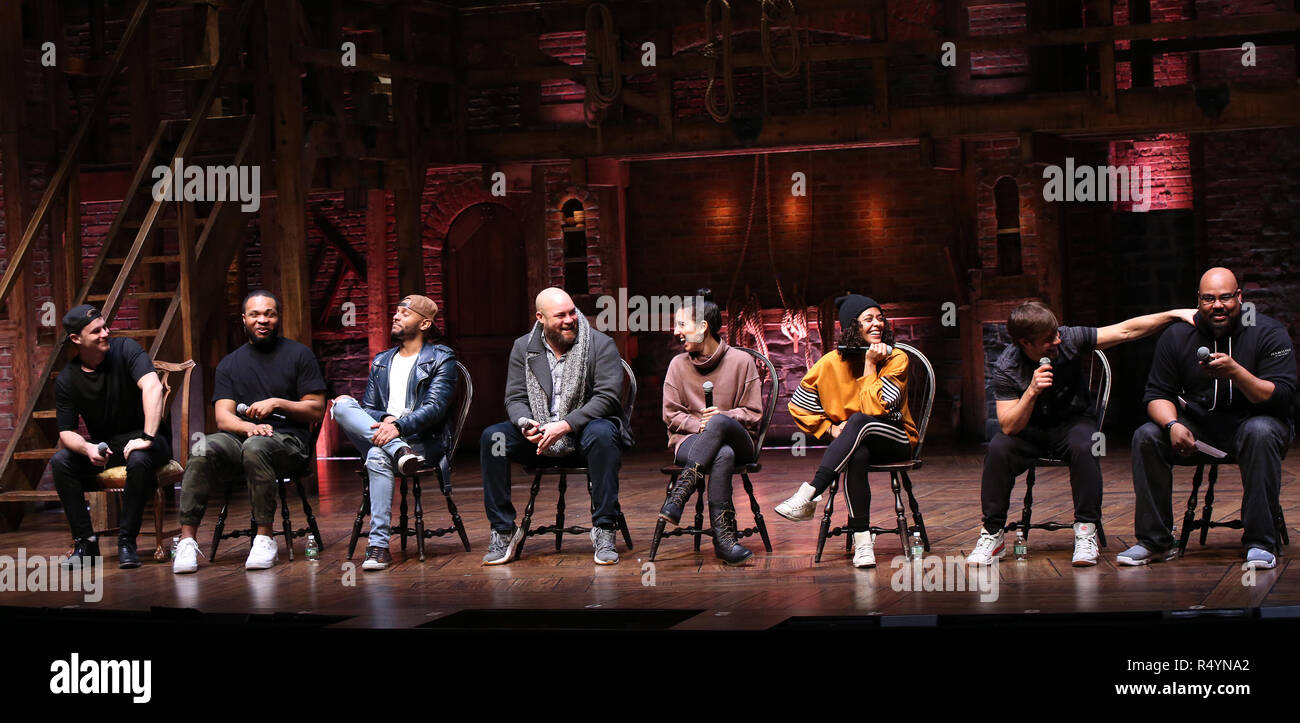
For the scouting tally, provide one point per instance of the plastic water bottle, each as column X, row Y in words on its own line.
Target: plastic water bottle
column 1021, row 548
column 918, row 547
column 313, row 549
column 176, row 543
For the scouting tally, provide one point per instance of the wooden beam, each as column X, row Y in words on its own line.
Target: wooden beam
column 1140, row 111
column 290, row 227
column 330, row 58
column 407, row 197
column 377, row 271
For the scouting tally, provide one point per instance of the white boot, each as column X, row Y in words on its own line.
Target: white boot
column 864, row 551
column 801, row 506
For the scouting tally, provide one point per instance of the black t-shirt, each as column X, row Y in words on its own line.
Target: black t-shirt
column 288, row 370
column 1068, row 396
column 107, row 399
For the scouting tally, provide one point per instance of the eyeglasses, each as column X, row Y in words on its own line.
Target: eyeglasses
column 1208, row 299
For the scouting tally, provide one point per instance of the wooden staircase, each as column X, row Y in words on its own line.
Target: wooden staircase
column 159, row 260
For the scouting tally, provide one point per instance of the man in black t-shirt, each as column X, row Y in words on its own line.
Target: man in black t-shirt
column 111, row 386
column 268, row 393
column 1045, row 410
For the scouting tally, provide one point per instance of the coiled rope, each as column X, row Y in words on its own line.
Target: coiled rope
column 600, row 65
column 720, row 70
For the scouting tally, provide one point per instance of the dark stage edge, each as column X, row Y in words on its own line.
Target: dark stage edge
column 925, row 659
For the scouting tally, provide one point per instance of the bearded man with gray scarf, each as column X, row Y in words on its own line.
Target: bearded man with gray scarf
column 563, row 391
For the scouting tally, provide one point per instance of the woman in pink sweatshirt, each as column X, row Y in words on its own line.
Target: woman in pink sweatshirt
column 712, row 439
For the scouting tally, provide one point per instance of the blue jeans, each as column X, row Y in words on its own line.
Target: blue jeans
column 381, row 463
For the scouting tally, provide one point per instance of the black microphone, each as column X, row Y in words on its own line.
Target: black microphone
column 1203, row 355
column 103, row 449
column 708, row 394
column 242, row 410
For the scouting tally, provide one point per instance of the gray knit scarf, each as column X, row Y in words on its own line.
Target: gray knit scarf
column 572, row 384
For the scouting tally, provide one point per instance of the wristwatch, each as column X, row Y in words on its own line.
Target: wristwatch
column 1171, row 423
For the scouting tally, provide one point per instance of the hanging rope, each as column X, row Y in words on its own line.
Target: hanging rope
column 794, row 317
column 745, row 324
column 720, row 52
column 600, row 65
column 749, row 226
column 777, row 11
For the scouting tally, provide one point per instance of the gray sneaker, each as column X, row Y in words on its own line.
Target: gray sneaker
column 603, row 542
column 502, row 548
column 1139, row 555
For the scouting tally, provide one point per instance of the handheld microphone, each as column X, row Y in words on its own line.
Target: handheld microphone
column 103, row 449
column 1203, row 355
column 1044, row 362
column 242, row 410
column 708, row 394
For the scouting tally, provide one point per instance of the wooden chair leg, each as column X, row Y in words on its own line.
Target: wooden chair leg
column 528, row 513
column 308, row 513
column 824, row 529
column 419, row 517
column 159, row 503
column 1208, row 510
column 455, row 519
column 1189, row 517
column 622, row 525
column 699, row 517
column 403, row 520
column 221, row 524
column 284, row 518
column 916, row 511
column 758, row 514
column 559, row 511
column 654, row 541
column 899, row 513
column 362, row 510
column 1027, row 514
column 1101, row 535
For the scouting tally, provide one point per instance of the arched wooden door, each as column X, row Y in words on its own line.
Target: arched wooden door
column 487, row 299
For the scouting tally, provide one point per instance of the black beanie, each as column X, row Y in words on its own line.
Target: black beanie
column 852, row 306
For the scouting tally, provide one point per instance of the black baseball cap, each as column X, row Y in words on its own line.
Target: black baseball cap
column 78, row 317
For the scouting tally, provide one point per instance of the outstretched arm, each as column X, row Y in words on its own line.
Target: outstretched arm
column 1140, row 326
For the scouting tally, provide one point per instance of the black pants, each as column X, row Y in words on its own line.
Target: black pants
column 864, row 439
column 1009, row 457
column 1258, row 443
column 599, row 452
column 261, row 461
column 74, row 473
column 722, row 445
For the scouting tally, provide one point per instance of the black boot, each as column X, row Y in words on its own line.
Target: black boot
column 127, row 558
column 690, row 478
column 84, row 549
column 723, row 518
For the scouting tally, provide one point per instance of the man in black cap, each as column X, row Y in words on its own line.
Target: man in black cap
column 1045, row 410
column 111, row 385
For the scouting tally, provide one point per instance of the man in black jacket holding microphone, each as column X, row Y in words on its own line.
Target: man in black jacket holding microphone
column 268, row 394
column 1222, row 383
column 1044, row 409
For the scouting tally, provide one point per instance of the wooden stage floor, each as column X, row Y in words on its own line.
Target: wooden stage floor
column 772, row 588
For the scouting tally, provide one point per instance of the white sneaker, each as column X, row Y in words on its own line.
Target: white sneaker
column 987, row 549
column 1085, row 544
column 801, row 506
column 864, row 553
column 187, row 556
column 263, row 554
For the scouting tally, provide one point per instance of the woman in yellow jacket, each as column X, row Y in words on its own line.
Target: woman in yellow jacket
column 857, row 397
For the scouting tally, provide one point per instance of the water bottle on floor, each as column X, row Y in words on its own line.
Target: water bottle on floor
column 176, row 542
column 1021, row 548
column 918, row 547
column 313, row 549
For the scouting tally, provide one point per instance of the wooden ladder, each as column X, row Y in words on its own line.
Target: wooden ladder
column 150, row 265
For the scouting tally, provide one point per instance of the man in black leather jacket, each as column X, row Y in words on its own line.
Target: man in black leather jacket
column 401, row 422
